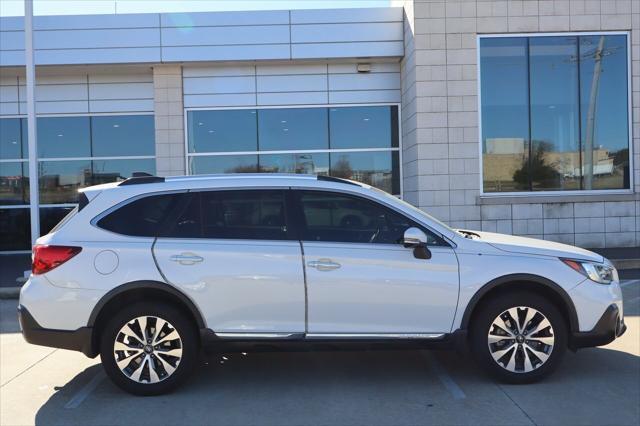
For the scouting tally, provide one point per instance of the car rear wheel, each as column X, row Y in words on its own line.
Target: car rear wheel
column 149, row 348
column 519, row 337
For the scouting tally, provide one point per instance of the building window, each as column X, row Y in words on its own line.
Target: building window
column 555, row 113
column 359, row 143
column 73, row 152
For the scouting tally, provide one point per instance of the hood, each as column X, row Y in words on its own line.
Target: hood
column 514, row 244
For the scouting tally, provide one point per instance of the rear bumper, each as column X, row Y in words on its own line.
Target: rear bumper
column 75, row 340
column 609, row 327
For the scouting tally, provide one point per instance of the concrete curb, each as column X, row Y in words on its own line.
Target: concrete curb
column 622, row 264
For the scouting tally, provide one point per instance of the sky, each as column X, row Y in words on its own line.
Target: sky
column 87, row 7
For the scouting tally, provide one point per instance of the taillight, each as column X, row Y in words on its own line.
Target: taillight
column 46, row 258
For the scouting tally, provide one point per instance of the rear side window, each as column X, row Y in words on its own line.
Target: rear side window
column 141, row 217
column 335, row 217
column 245, row 215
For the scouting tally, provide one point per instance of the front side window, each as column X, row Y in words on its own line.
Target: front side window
column 244, row 215
column 335, row 217
column 554, row 113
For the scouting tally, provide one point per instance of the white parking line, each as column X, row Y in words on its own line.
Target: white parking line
column 85, row 391
column 446, row 380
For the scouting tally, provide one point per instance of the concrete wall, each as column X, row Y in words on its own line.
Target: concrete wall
column 219, row 36
column 441, row 138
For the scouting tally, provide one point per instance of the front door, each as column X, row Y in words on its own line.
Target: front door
column 361, row 280
column 232, row 253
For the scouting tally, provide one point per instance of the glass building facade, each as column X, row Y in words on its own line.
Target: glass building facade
column 73, row 152
column 555, row 113
column 351, row 142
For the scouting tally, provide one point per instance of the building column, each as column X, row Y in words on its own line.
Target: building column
column 169, row 120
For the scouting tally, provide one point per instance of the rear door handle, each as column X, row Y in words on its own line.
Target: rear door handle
column 323, row 264
column 187, row 258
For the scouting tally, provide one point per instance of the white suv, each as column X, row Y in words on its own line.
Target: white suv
column 148, row 271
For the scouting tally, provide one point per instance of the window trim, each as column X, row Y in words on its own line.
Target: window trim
column 398, row 149
column 558, row 193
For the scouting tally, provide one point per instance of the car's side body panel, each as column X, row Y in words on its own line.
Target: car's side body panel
column 380, row 288
column 249, row 286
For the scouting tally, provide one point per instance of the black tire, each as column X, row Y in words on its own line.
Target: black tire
column 483, row 320
column 188, row 342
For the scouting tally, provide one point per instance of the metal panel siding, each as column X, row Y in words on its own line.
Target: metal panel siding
column 195, row 101
column 218, row 36
column 225, row 36
column 58, row 107
column 188, row 20
column 365, row 96
column 292, row 83
column 121, row 91
column 9, row 108
column 9, row 93
column 386, row 14
column 220, row 71
column 96, row 56
column 367, row 81
column 347, row 50
column 96, row 39
column 294, row 98
column 226, row 53
column 289, row 69
column 200, row 85
column 121, row 105
column 58, row 92
column 323, row 33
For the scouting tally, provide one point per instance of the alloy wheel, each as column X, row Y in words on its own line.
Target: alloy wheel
column 148, row 349
column 520, row 339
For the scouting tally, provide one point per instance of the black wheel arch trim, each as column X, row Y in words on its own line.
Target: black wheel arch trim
column 141, row 285
column 514, row 278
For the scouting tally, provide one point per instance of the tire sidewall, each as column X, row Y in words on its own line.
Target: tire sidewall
column 487, row 314
column 188, row 336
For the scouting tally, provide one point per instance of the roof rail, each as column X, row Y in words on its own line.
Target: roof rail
column 338, row 180
column 138, row 178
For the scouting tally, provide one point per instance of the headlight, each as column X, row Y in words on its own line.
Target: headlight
column 597, row 272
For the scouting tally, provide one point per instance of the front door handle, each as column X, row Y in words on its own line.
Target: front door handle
column 187, row 258
column 323, row 264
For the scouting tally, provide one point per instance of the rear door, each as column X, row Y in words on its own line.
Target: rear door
column 233, row 253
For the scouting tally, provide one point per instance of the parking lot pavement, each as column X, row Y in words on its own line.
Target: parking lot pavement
column 594, row 386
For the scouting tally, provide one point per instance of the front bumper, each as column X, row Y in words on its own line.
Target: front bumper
column 609, row 327
column 75, row 340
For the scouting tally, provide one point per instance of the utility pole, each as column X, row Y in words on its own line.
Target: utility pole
column 591, row 115
column 31, row 121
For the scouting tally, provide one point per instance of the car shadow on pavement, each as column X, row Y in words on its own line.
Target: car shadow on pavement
column 594, row 386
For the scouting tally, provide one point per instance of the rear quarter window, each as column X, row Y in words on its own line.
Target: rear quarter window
column 140, row 218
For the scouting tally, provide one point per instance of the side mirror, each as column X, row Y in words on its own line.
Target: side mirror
column 416, row 239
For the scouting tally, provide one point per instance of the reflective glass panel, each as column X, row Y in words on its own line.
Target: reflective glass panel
column 317, row 163
column 555, row 121
column 11, row 144
column 51, row 216
column 363, row 127
column 60, row 180
column 293, row 128
column 379, row 169
column 224, row 164
column 223, row 131
column 60, row 137
column 122, row 135
column 105, row 171
column 505, row 113
column 13, row 183
column 15, row 232
column 604, row 112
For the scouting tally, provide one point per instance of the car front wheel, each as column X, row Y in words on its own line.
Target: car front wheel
column 148, row 348
column 519, row 337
